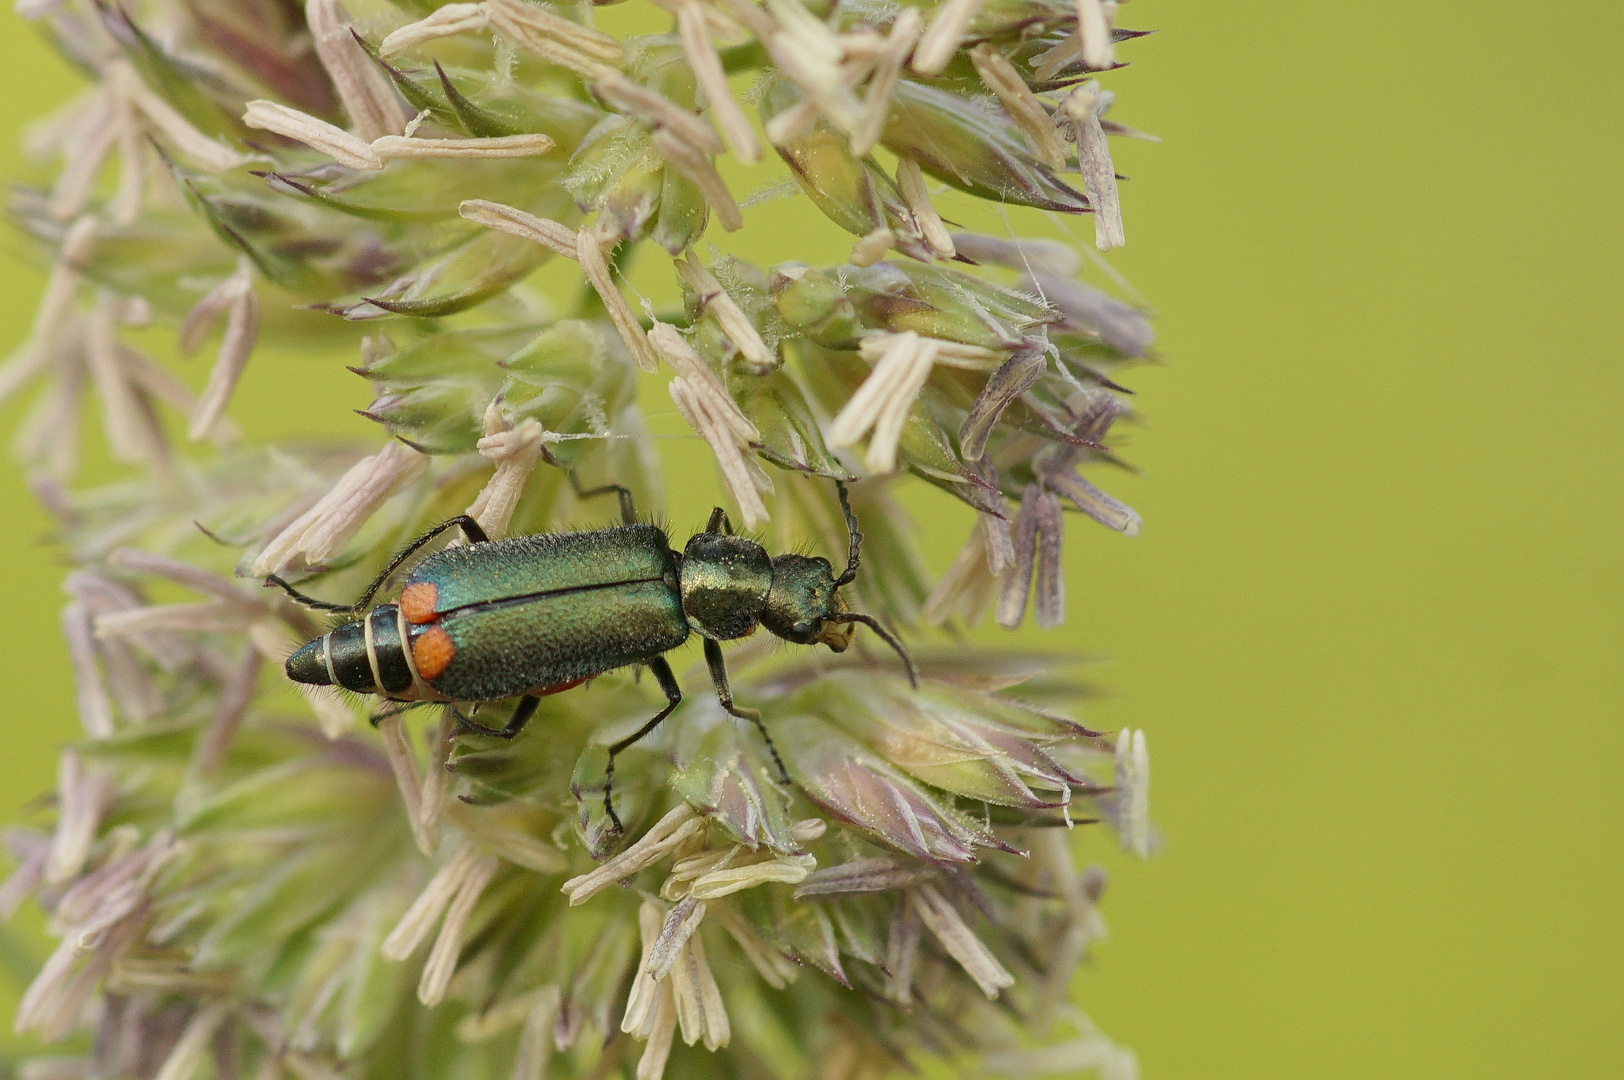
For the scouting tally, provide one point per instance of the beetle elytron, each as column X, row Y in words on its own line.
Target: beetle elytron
column 535, row 615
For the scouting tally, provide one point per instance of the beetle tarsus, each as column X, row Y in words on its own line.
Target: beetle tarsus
column 309, row 601
column 521, row 716
column 470, row 528
column 468, row 726
column 673, row 698
column 754, row 716
column 394, row 708
column 724, row 694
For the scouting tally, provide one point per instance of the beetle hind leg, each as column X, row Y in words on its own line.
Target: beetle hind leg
column 673, row 698
column 521, row 716
column 470, row 528
column 310, row 601
column 391, row 708
column 724, row 694
column 467, row 725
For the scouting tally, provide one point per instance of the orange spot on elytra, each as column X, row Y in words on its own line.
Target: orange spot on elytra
column 432, row 650
column 417, row 602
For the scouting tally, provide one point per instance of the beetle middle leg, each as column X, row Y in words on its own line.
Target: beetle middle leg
column 724, row 693
column 673, row 698
column 628, row 513
column 521, row 716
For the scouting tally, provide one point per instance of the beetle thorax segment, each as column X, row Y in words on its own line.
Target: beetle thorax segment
column 725, row 581
column 802, row 596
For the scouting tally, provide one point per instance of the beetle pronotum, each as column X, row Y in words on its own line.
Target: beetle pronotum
column 535, row 615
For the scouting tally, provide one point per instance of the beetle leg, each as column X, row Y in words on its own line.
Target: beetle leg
column 719, row 522
column 724, row 693
column 467, row 725
column 521, row 716
column 393, row 708
column 673, row 698
column 628, row 513
column 470, row 529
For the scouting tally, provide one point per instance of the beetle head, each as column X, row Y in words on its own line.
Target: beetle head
column 802, row 598
column 804, row 604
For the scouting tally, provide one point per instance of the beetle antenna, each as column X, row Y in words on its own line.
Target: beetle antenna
column 854, row 538
column 885, row 635
column 216, row 537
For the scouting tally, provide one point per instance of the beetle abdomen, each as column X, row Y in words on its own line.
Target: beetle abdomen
column 348, row 660
column 389, row 652
column 367, row 656
column 496, row 650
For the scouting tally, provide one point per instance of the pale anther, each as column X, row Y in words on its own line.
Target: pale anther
column 493, row 215
column 1094, row 26
column 369, row 98
column 947, row 26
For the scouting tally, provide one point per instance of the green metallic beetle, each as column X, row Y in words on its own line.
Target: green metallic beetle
column 535, row 615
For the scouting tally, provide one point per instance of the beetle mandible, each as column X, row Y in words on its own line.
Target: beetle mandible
column 535, row 615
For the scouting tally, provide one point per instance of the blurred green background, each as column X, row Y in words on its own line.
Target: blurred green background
column 1373, row 622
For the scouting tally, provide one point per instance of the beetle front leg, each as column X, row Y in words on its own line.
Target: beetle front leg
column 673, row 698
column 724, row 693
